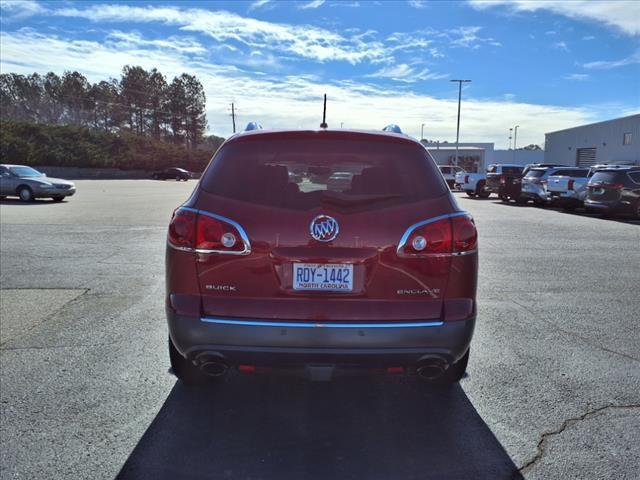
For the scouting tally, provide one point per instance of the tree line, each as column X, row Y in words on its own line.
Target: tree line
column 140, row 102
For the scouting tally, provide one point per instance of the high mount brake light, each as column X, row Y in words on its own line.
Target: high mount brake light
column 449, row 235
column 202, row 232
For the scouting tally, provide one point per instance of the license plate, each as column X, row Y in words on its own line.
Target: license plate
column 324, row 277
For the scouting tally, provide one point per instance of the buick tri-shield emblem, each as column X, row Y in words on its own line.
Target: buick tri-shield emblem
column 324, row 228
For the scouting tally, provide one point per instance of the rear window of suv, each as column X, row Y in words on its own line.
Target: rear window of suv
column 606, row 177
column 512, row 170
column 303, row 174
column 535, row 173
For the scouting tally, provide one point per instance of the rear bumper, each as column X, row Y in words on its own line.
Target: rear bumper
column 612, row 206
column 268, row 342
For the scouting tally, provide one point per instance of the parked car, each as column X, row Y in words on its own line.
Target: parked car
column 263, row 270
column 28, row 184
column 449, row 173
column 473, row 184
column 568, row 188
column 539, row 165
column 505, row 181
column 613, row 190
column 172, row 173
column 534, row 183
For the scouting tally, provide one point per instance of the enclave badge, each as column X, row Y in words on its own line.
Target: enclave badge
column 324, row 228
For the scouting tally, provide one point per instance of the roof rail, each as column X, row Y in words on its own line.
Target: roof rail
column 252, row 126
column 393, row 128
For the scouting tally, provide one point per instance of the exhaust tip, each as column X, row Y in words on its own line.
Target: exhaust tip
column 212, row 364
column 431, row 369
column 214, row 369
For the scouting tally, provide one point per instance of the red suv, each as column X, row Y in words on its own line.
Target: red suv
column 321, row 251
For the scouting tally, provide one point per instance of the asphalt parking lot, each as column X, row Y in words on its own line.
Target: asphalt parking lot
column 553, row 385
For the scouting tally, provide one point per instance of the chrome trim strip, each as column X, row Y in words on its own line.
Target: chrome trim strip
column 405, row 236
column 236, row 225
column 264, row 323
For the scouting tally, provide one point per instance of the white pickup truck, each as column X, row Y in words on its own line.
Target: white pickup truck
column 568, row 189
column 472, row 183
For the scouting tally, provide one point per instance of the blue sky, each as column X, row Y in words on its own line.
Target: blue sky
column 541, row 64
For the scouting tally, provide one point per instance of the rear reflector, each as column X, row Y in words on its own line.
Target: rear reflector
column 455, row 234
column 395, row 369
column 247, row 368
column 203, row 232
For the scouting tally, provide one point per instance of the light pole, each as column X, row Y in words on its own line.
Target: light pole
column 515, row 140
column 422, row 132
column 510, row 137
column 460, row 82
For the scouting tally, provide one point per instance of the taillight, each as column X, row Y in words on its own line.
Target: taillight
column 465, row 235
column 503, row 179
column 449, row 235
column 182, row 229
column 204, row 232
column 570, row 185
column 466, row 179
column 214, row 233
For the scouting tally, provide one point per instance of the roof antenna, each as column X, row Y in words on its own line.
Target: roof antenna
column 324, row 113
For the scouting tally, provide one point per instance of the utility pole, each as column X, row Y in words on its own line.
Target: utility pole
column 233, row 116
column 510, row 137
column 460, row 82
column 515, row 140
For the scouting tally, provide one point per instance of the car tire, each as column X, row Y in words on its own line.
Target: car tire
column 637, row 211
column 456, row 372
column 178, row 179
column 504, row 198
column 57, row 199
column 25, row 194
column 480, row 191
column 522, row 200
column 470, row 193
column 183, row 369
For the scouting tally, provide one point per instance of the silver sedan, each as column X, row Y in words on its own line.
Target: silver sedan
column 28, row 184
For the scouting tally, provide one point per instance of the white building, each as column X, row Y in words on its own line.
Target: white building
column 444, row 154
column 612, row 141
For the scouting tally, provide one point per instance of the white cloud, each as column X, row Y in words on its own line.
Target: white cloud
column 420, row 4
column 578, row 77
column 289, row 101
column 588, row 37
column 561, row 46
column 468, row 37
column 258, row 4
column 406, row 73
column 311, row 5
column 134, row 39
column 20, row 9
column 305, row 41
column 623, row 15
column 609, row 64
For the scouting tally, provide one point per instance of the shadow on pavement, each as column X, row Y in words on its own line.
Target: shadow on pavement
column 285, row 428
column 620, row 218
column 36, row 202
